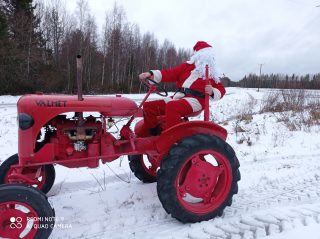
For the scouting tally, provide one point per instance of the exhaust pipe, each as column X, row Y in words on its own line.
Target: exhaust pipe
column 79, row 77
column 80, row 128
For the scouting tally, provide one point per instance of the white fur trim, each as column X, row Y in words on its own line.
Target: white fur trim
column 189, row 81
column 216, row 94
column 157, row 76
column 152, row 100
column 194, row 103
column 202, row 51
column 178, row 95
column 167, row 99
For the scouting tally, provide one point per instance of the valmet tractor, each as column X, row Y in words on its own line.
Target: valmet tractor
column 195, row 169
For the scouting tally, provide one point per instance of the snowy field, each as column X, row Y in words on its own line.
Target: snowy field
column 279, row 193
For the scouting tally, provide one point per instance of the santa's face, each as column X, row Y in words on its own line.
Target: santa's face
column 201, row 59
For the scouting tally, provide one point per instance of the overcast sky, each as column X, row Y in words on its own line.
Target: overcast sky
column 284, row 35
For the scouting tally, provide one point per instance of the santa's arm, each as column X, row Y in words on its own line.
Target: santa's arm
column 218, row 90
column 168, row 75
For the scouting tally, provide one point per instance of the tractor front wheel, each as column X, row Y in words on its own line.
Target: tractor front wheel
column 198, row 178
column 142, row 168
column 41, row 177
column 25, row 213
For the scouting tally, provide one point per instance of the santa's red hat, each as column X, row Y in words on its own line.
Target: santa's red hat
column 200, row 45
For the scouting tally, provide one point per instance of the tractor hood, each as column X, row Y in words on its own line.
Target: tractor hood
column 34, row 111
column 52, row 105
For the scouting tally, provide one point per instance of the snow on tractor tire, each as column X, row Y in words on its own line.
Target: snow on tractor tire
column 195, row 169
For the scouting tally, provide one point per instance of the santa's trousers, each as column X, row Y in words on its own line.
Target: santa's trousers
column 173, row 111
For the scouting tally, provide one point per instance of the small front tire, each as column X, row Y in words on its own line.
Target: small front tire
column 25, row 213
column 44, row 181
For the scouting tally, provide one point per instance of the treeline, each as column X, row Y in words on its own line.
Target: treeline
column 39, row 42
column 281, row 81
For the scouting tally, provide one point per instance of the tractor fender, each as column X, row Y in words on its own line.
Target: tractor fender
column 177, row 132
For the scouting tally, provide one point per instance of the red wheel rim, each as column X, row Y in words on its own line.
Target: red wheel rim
column 203, row 182
column 149, row 165
column 18, row 220
column 36, row 176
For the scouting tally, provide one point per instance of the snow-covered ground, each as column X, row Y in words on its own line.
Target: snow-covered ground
column 278, row 194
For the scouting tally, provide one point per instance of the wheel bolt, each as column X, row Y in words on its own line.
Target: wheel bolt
column 187, row 188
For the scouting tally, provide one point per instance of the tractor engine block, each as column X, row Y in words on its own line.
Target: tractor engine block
column 73, row 140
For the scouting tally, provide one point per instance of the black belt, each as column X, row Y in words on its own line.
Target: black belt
column 191, row 92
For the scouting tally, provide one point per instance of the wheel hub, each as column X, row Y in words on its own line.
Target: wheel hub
column 14, row 221
column 201, row 179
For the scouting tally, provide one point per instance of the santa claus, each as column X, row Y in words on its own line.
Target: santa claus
column 192, row 87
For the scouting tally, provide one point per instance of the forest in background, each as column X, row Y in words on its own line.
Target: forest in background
column 280, row 81
column 39, row 41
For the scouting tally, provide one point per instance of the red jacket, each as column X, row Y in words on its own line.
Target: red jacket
column 183, row 78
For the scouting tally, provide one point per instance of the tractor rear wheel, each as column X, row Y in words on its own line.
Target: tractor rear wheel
column 198, row 178
column 43, row 176
column 142, row 168
column 25, row 213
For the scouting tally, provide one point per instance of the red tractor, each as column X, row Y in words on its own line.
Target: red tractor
column 195, row 169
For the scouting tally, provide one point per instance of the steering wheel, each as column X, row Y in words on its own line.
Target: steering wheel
column 159, row 89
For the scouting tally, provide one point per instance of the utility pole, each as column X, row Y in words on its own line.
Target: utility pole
column 259, row 84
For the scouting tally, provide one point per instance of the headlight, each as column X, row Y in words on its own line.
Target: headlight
column 25, row 121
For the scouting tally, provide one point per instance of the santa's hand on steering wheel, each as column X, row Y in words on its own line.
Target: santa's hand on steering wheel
column 147, row 79
column 146, row 75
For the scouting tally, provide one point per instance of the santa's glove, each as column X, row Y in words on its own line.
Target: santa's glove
column 209, row 90
column 146, row 75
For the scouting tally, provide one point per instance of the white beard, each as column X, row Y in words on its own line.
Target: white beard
column 202, row 58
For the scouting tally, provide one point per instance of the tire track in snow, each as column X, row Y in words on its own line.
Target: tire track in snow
column 261, row 224
column 247, row 226
column 293, row 192
column 65, row 187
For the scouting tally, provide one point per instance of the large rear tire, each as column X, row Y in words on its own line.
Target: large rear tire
column 145, row 173
column 25, row 213
column 198, row 178
column 44, row 181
